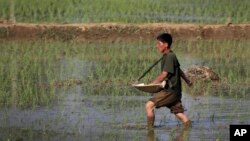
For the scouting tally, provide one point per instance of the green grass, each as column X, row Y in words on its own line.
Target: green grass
column 28, row 69
column 229, row 59
column 128, row 11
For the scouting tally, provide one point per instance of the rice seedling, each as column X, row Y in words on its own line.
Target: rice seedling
column 29, row 68
column 24, row 75
column 228, row 58
column 128, row 11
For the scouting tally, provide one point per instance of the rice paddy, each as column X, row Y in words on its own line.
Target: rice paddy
column 126, row 11
column 95, row 100
column 62, row 89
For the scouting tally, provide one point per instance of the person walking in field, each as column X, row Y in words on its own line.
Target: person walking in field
column 170, row 96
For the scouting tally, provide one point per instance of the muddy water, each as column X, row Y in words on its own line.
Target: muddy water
column 83, row 117
column 117, row 113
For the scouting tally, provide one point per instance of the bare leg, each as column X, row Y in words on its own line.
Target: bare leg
column 182, row 117
column 150, row 106
column 185, row 120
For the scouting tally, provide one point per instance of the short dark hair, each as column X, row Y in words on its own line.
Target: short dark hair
column 166, row 38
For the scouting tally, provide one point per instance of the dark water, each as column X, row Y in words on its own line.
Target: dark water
column 117, row 113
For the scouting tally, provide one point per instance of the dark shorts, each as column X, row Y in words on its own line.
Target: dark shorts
column 168, row 99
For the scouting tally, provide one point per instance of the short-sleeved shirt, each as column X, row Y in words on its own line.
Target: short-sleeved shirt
column 170, row 64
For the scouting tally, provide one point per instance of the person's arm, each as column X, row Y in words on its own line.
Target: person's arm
column 161, row 77
column 189, row 83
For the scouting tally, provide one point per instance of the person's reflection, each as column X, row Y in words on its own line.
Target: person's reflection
column 183, row 135
column 151, row 135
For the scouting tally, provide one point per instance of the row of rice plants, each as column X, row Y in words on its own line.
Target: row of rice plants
column 24, row 66
column 116, row 62
column 229, row 59
column 128, row 11
column 26, row 70
column 126, row 62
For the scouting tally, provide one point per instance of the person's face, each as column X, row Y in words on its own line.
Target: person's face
column 161, row 46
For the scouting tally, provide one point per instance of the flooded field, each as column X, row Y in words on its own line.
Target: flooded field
column 128, row 11
column 81, row 91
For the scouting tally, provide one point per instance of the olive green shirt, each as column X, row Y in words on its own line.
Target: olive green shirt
column 170, row 64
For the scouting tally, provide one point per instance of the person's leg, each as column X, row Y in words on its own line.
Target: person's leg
column 182, row 117
column 185, row 120
column 178, row 109
column 150, row 106
column 158, row 100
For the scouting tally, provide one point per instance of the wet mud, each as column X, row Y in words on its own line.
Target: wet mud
column 119, row 31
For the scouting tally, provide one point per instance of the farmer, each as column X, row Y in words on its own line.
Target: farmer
column 170, row 96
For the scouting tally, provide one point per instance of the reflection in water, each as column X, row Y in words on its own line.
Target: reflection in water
column 151, row 135
column 183, row 135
